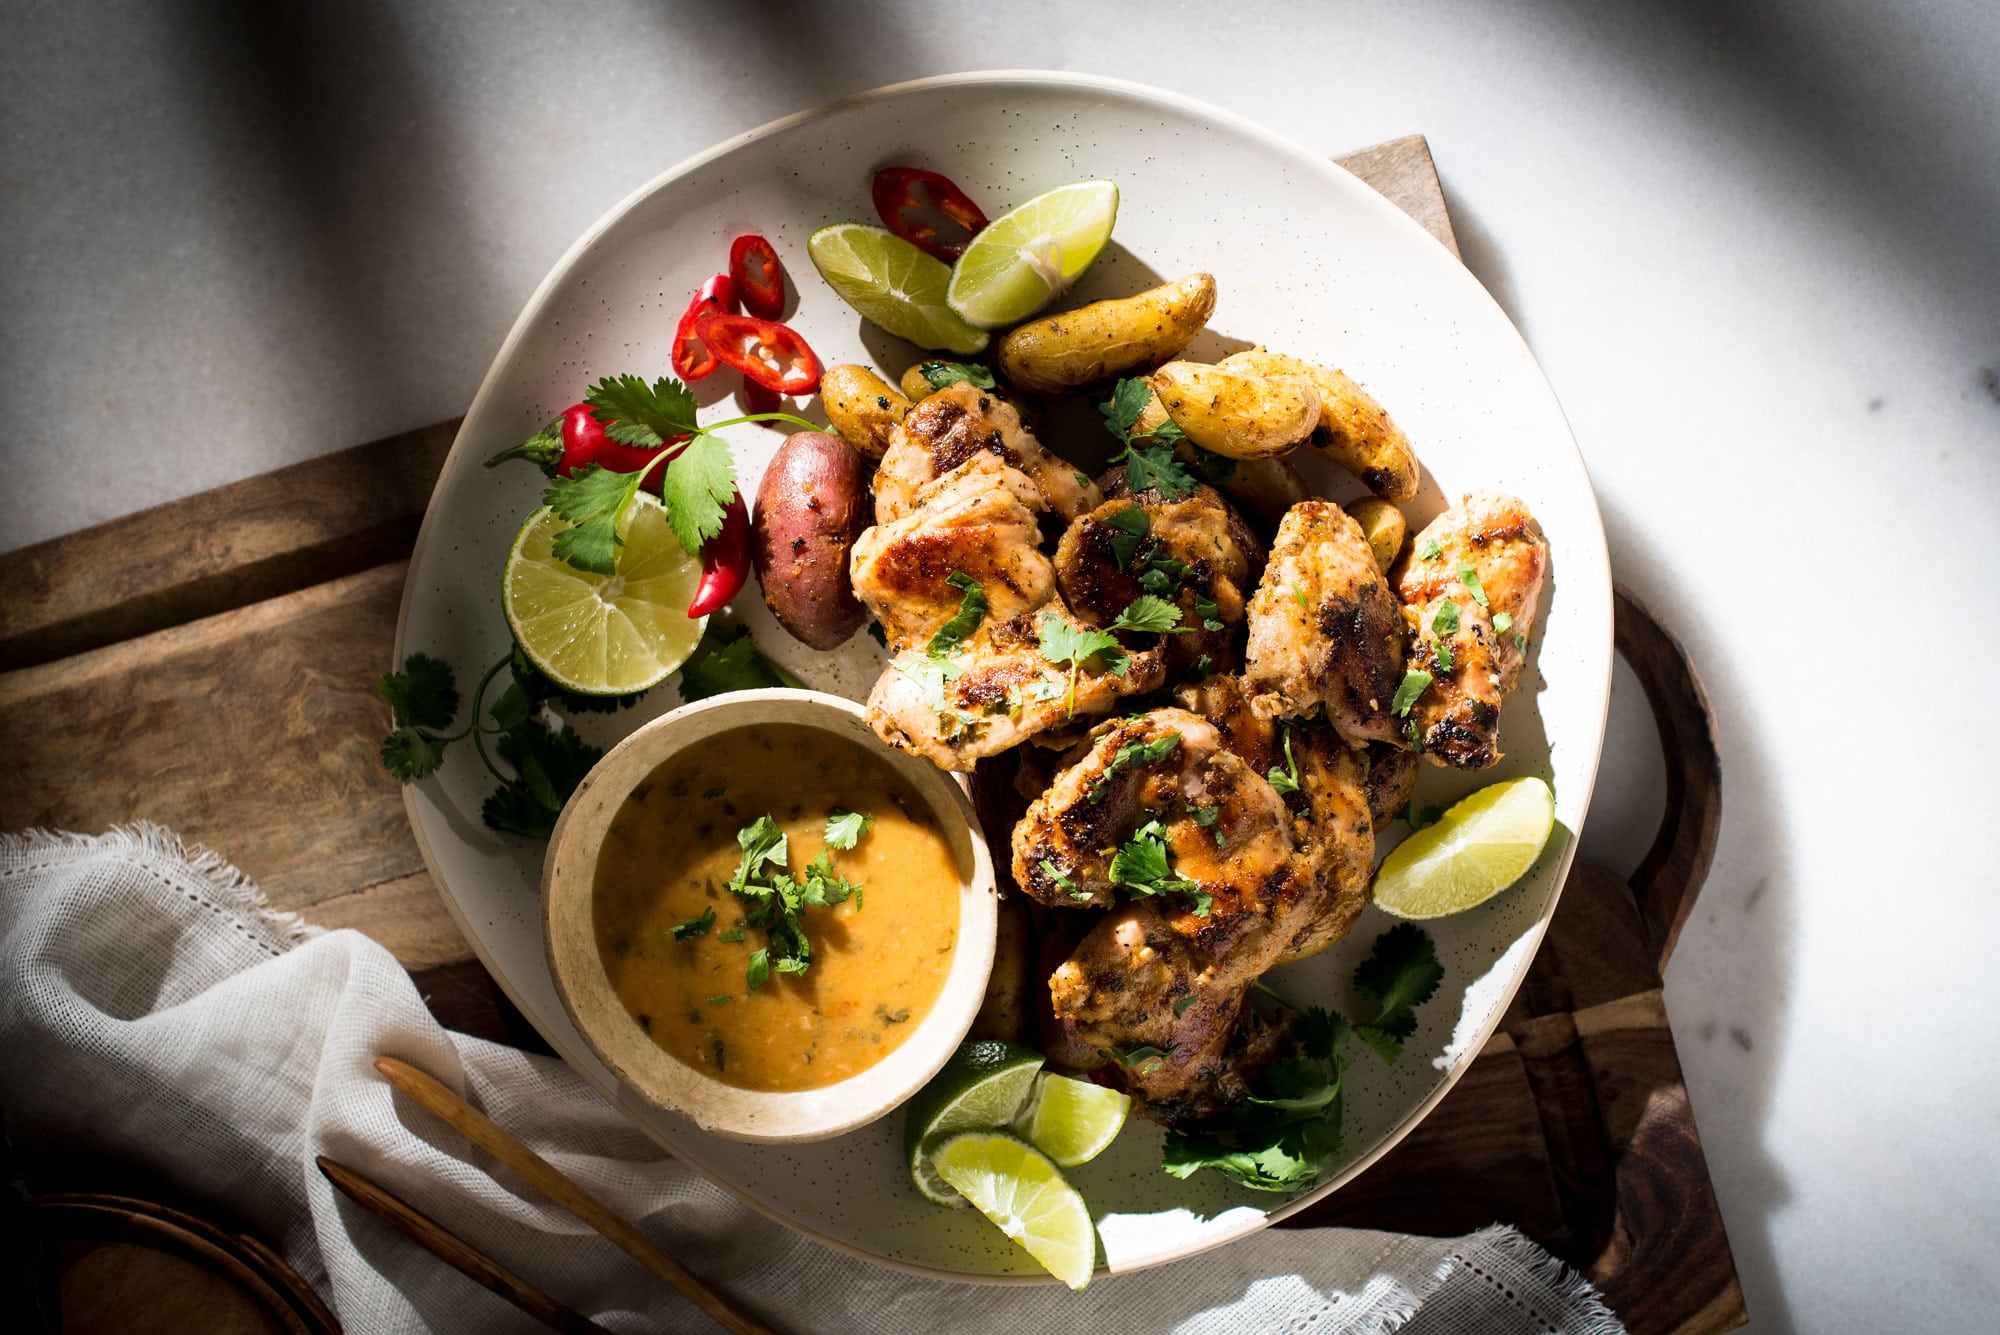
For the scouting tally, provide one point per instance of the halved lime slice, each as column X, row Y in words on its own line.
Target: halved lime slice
column 1020, row 1189
column 892, row 284
column 604, row 634
column 1477, row 849
column 980, row 1088
column 1072, row 1121
column 1029, row 256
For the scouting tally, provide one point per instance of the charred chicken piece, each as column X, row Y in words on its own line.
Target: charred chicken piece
column 1469, row 591
column 1324, row 629
column 958, row 423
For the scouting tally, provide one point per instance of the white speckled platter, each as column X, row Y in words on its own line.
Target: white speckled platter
column 1308, row 260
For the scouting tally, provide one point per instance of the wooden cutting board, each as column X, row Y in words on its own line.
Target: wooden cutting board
column 209, row 664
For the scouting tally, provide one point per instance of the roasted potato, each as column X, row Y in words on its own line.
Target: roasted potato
column 1229, row 411
column 1263, row 489
column 1353, row 430
column 916, row 386
column 811, row 506
column 862, row 406
column 1384, row 526
column 1107, row 339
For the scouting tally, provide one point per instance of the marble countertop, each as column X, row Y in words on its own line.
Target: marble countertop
column 1755, row 252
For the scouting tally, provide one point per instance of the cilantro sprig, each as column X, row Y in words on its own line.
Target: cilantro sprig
column 964, row 622
column 1152, row 466
column 1287, row 1134
column 1143, row 865
column 773, row 898
column 943, row 375
column 721, row 664
column 697, row 486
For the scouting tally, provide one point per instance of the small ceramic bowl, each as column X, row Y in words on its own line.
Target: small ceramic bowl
column 657, row 1076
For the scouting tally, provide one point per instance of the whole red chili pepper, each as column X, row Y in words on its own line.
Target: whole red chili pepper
column 725, row 561
column 896, row 196
column 760, row 278
column 577, row 440
column 692, row 359
column 772, row 354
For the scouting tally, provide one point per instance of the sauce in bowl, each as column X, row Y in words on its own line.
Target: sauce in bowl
column 878, row 959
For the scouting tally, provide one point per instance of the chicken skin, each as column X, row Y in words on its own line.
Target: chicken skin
column 1469, row 591
column 958, row 423
column 1323, row 627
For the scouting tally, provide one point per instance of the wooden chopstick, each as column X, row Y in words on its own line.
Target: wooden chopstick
column 440, row 1242
column 484, row 1132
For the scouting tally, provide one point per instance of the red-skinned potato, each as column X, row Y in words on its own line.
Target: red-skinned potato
column 811, row 505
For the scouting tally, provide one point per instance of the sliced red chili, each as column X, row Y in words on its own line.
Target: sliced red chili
column 725, row 561
column 692, row 359
column 901, row 191
column 757, row 399
column 760, row 278
column 772, row 354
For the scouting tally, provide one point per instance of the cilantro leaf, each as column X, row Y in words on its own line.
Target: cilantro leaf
column 1444, row 655
column 408, row 754
column 1154, row 468
column 1132, row 524
column 1445, row 622
column 1322, row 1033
column 695, row 926
column 1141, row 862
column 1149, row 615
column 511, row 809
column 731, row 934
column 1210, row 614
column 971, row 612
column 1054, row 873
column 591, row 499
column 720, row 665
column 1067, row 644
column 1403, row 971
column 1138, row 753
column 1415, row 682
column 759, row 971
column 942, row 374
column 763, row 844
column 930, row 675
column 635, row 413
column 1128, row 401
column 1429, row 550
column 1469, row 577
column 1285, row 781
column 845, row 828
column 1503, row 622
column 423, row 694
column 1182, row 1006
column 697, row 487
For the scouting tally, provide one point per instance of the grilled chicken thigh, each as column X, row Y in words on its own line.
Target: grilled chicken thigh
column 1323, row 627
column 995, row 688
column 954, row 425
column 1469, row 590
column 1196, row 553
column 1270, row 883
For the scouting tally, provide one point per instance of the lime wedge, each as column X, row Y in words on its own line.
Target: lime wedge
column 1029, row 256
column 1020, row 1189
column 1072, row 1121
column 1477, row 849
column 892, row 284
column 980, row 1088
column 604, row 634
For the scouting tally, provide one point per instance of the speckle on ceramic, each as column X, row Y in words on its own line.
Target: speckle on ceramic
column 1307, row 260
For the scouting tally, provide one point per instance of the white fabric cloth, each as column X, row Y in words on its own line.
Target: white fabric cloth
column 152, row 1009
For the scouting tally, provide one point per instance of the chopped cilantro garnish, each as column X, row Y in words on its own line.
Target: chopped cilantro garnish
column 695, row 926
column 1286, row 780
column 1429, row 550
column 1415, row 682
column 1143, row 864
column 1065, row 644
column 1469, row 577
column 944, row 374
column 720, row 665
column 845, row 828
column 1181, row 1006
column 1132, row 524
column 1444, row 655
column 971, row 612
column 1148, row 614
column 1503, row 622
column 1445, row 621
column 1133, row 755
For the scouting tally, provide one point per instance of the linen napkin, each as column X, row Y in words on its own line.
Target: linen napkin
column 153, row 1009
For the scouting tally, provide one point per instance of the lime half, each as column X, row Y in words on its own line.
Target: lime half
column 1477, row 849
column 604, row 634
column 1021, row 1189
column 1072, row 1121
column 1029, row 256
column 892, row 284
column 980, row 1088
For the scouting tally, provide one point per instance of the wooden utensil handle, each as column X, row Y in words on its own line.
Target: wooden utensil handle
column 440, row 1242
column 484, row 1132
column 1670, row 875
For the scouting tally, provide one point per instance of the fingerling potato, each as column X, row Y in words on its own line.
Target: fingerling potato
column 1263, row 489
column 811, row 505
column 862, row 406
column 1384, row 527
column 1107, row 339
column 1230, row 411
column 916, row 386
column 1353, row 429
